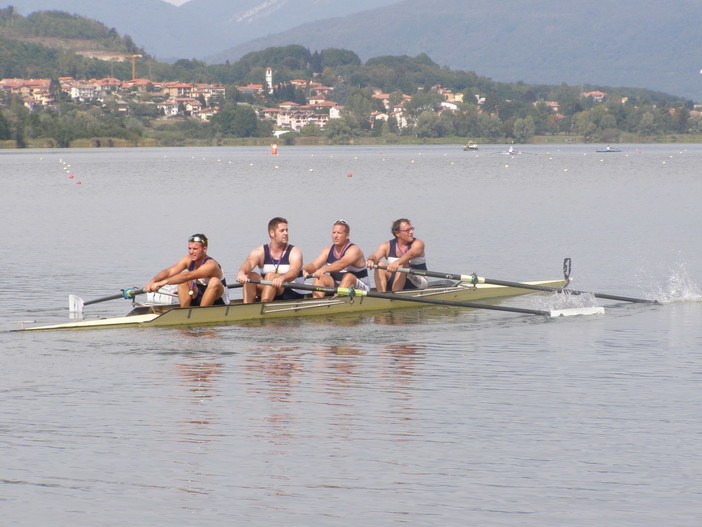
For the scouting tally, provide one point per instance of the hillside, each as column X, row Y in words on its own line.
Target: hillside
column 631, row 43
column 637, row 43
column 199, row 28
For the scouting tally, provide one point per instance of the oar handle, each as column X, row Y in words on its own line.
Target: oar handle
column 344, row 291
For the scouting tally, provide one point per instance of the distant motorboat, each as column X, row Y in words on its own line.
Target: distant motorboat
column 608, row 149
column 471, row 146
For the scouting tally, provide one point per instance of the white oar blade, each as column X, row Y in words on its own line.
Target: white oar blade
column 75, row 305
column 575, row 311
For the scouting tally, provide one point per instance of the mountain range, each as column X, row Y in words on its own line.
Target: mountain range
column 632, row 43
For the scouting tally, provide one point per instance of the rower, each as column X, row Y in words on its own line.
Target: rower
column 199, row 277
column 404, row 250
column 277, row 262
column 341, row 264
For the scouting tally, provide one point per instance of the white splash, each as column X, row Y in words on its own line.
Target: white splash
column 680, row 287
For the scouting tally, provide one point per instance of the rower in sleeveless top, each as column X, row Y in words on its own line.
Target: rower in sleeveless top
column 403, row 251
column 199, row 277
column 341, row 264
column 277, row 262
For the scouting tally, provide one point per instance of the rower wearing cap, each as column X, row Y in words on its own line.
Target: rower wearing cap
column 403, row 251
column 199, row 277
column 277, row 261
column 341, row 264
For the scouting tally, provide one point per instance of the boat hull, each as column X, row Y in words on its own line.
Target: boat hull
column 170, row 316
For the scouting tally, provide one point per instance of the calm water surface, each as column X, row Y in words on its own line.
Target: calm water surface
column 425, row 417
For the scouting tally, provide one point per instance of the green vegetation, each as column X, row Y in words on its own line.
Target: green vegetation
column 437, row 104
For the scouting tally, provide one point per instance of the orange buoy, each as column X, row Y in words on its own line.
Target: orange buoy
column 274, row 149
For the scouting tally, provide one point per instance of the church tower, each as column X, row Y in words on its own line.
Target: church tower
column 269, row 79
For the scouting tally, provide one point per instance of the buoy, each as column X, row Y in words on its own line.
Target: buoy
column 274, row 149
column 79, row 183
column 349, row 174
column 70, row 176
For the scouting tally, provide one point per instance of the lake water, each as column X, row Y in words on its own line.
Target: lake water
column 430, row 416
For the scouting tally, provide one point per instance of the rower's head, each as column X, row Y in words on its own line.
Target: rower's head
column 402, row 229
column 197, row 246
column 278, row 230
column 340, row 232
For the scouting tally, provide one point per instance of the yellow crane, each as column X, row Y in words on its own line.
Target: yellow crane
column 133, row 57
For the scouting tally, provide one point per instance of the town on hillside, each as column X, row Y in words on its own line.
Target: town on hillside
column 200, row 100
column 431, row 112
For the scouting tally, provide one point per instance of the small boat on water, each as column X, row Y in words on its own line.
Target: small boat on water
column 438, row 293
column 608, row 149
column 471, row 146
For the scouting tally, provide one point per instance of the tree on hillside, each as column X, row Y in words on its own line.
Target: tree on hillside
column 524, row 129
column 357, row 110
column 334, row 58
column 5, row 130
column 236, row 121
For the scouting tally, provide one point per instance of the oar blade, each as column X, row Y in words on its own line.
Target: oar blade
column 75, row 305
column 575, row 311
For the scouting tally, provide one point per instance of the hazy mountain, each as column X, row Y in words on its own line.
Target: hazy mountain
column 637, row 43
column 199, row 28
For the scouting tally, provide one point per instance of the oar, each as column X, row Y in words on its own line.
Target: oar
column 474, row 279
column 75, row 303
column 351, row 292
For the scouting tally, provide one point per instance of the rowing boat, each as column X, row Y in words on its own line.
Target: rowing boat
column 237, row 312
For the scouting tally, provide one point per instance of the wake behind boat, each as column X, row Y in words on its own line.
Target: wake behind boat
column 237, row 312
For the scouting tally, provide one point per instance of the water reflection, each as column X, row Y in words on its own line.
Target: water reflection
column 200, row 377
column 274, row 371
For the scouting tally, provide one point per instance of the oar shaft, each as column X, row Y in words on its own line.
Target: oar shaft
column 351, row 292
column 566, row 291
column 127, row 293
column 473, row 279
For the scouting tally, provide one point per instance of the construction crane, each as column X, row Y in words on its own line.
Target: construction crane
column 133, row 57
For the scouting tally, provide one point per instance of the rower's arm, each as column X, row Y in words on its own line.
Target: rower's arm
column 254, row 258
column 317, row 263
column 209, row 269
column 162, row 277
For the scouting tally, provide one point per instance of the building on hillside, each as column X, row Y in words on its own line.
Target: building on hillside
column 597, row 96
column 177, row 89
column 250, row 89
column 169, row 108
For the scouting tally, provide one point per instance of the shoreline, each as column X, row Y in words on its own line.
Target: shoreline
column 110, row 142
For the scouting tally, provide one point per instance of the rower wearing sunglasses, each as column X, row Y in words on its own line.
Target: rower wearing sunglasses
column 403, row 251
column 199, row 277
column 341, row 264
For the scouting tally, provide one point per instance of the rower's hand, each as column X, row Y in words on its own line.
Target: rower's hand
column 242, row 278
column 392, row 267
column 277, row 281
